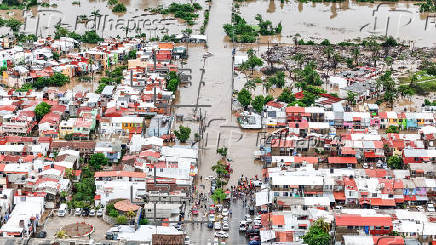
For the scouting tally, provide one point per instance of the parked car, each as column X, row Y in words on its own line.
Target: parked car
column 211, row 217
column 243, row 226
column 217, row 226
column 248, row 218
column 210, row 225
column 225, row 212
column 187, row 240
column 430, row 207
column 420, row 208
column 85, row 212
column 62, row 210
column 365, row 165
column 226, row 226
column 78, row 212
column 100, row 212
column 92, row 212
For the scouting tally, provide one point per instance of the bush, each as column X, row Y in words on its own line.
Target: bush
column 121, row 219
column 119, row 8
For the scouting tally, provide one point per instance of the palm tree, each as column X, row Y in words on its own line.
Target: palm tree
column 131, row 214
column 356, row 53
column 267, row 85
column 219, row 169
column 375, row 48
column 389, row 61
column 336, row 59
column 298, row 58
column 251, row 84
column 328, row 51
column 295, row 38
column 91, row 63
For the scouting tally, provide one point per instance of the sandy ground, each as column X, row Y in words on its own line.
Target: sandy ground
column 55, row 223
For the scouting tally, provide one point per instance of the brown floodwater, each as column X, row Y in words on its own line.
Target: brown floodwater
column 346, row 20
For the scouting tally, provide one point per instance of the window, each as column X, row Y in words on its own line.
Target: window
column 350, row 227
column 387, row 227
column 378, row 227
column 374, row 194
column 391, row 196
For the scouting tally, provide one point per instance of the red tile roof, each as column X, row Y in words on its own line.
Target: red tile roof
column 120, row 174
column 358, row 220
column 334, row 160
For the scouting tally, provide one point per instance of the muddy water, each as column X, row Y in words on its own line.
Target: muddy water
column 347, row 20
column 222, row 127
column 136, row 20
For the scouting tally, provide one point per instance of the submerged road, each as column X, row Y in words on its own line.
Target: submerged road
column 222, row 128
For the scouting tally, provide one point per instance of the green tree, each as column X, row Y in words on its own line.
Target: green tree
column 121, row 219
column 219, row 169
column 395, row 162
column 244, row 97
column 392, row 129
column 222, row 151
column 252, row 62
column 144, row 221
column 98, row 160
column 218, row 195
column 183, row 133
column 356, row 52
column 318, row 233
column 351, row 97
column 286, row 96
column 119, row 8
column 41, row 110
column 258, row 103
column 14, row 24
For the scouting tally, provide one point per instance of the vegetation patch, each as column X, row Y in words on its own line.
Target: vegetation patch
column 184, row 11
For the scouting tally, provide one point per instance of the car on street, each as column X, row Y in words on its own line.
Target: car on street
column 92, row 212
column 254, row 242
column 78, row 212
column 187, row 240
column 210, row 225
column 225, row 212
column 420, row 208
column 221, row 234
column 430, row 207
column 100, row 212
column 194, row 210
column 211, row 217
column 243, row 226
column 217, row 226
column 248, row 218
column 62, row 210
column 226, row 219
column 225, row 226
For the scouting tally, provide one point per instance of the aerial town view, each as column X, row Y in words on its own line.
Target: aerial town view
column 218, row 122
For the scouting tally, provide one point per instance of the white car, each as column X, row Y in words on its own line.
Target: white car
column 243, row 225
column 211, row 217
column 187, row 240
column 217, row 226
column 226, row 226
column 78, row 212
column 248, row 218
column 100, row 212
column 365, row 165
column 430, row 207
column 226, row 219
column 221, row 234
column 420, row 208
column 225, row 212
column 92, row 212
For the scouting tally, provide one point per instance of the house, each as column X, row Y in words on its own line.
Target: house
column 118, row 185
column 370, row 225
column 111, row 150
